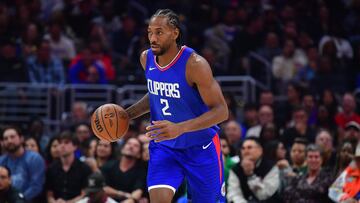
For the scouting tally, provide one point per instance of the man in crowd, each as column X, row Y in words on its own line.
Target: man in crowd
column 255, row 178
column 95, row 190
column 66, row 178
column 7, row 192
column 27, row 168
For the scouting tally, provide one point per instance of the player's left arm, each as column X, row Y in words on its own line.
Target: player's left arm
column 199, row 74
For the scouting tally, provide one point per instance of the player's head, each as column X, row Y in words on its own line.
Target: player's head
column 163, row 31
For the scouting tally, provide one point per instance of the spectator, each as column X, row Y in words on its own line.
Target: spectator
column 255, row 178
column 99, row 55
column 348, row 114
column 352, row 132
column 36, row 130
column 266, row 98
column 44, row 68
column 61, row 46
column 66, row 178
column 87, row 70
column 233, row 133
column 79, row 114
column 325, row 141
column 298, row 156
column 288, row 64
column 30, row 39
column 265, row 116
column 346, row 187
column 294, row 94
column 125, row 178
column 27, row 167
column 329, row 101
column 228, row 161
column 13, row 68
column 311, row 187
column 268, row 133
column 31, row 144
column 271, row 47
column 95, row 190
column 299, row 128
column 104, row 153
column 310, row 106
column 8, row 194
column 250, row 117
column 344, row 157
column 52, row 151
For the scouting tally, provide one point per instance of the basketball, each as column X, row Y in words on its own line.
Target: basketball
column 109, row 122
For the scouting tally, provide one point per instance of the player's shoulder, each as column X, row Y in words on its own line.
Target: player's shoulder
column 143, row 57
column 196, row 60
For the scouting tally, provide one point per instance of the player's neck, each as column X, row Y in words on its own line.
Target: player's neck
column 168, row 56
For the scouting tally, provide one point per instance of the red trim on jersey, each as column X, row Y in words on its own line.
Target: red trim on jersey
column 172, row 62
column 216, row 141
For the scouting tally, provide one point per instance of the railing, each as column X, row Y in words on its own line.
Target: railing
column 21, row 101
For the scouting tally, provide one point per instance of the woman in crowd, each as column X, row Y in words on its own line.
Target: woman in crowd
column 311, row 187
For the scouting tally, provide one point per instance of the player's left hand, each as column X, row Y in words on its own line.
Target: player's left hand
column 163, row 130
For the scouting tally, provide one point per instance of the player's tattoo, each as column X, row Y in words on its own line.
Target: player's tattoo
column 139, row 108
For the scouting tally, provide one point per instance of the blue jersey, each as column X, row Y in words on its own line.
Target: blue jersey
column 173, row 99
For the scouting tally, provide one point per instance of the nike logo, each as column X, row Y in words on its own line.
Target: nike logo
column 152, row 68
column 206, row 146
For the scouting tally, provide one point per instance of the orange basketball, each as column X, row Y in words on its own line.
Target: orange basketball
column 110, row 122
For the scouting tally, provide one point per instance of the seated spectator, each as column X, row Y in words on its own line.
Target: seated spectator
column 13, row 68
column 227, row 159
column 310, row 106
column 104, row 152
column 254, row 178
column 94, row 190
column 100, row 57
column 66, row 178
column 62, row 47
column 325, row 141
column 87, row 70
column 44, row 68
column 352, row 132
column 27, row 167
column 298, row 156
column 311, row 187
column 79, row 114
column 125, row 178
column 31, row 144
column 344, row 156
column 233, row 134
column 299, row 128
column 288, row 64
column 348, row 113
column 265, row 116
column 37, row 130
column 346, row 187
column 52, row 151
column 268, row 133
column 30, row 38
column 8, row 194
column 250, row 118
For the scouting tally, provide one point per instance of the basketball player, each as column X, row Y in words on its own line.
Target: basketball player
column 185, row 104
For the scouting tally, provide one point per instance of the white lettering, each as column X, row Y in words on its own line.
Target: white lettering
column 164, row 89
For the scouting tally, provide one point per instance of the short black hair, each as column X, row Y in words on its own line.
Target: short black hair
column 8, row 170
column 173, row 20
column 300, row 140
column 68, row 135
column 14, row 127
column 255, row 139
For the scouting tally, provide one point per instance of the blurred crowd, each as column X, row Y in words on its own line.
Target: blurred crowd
column 302, row 148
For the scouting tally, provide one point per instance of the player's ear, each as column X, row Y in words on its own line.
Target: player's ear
column 176, row 33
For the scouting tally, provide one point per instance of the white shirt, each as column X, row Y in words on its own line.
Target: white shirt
column 63, row 49
column 86, row 199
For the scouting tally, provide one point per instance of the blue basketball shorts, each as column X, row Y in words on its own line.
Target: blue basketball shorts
column 201, row 166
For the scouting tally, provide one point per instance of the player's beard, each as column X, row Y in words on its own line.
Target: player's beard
column 162, row 49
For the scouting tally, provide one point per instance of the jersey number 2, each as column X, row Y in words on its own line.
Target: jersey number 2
column 166, row 107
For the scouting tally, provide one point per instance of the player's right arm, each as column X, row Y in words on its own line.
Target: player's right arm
column 142, row 106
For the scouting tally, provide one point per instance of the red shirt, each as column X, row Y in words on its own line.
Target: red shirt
column 341, row 119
